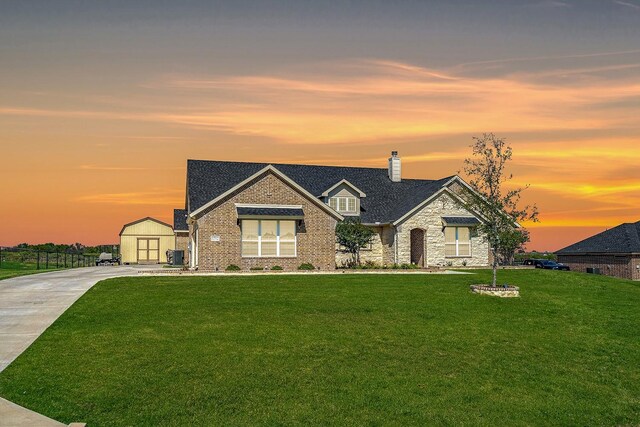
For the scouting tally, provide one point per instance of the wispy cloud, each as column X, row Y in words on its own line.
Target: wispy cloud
column 627, row 4
column 156, row 197
column 385, row 99
column 550, row 4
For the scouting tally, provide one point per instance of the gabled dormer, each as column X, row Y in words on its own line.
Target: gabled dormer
column 344, row 197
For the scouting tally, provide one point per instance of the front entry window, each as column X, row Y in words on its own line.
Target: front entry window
column 268, row 238
column 457, row 241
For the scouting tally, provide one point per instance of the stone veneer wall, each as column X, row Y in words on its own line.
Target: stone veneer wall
column 316, row 239
column 375, row 254
column 182, row 244
column 429, row 218
column 622, row 266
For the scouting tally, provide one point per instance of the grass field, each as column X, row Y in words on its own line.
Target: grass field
column 339, row 350
column 13, row 269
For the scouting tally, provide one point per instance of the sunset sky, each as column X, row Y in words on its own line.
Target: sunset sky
column 102, row 102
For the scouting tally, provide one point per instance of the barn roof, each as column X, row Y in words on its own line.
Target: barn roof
column 147, row 218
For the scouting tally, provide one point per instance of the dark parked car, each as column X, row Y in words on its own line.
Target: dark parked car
column 546, row 264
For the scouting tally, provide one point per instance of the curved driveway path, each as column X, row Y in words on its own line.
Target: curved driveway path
column 28, row 306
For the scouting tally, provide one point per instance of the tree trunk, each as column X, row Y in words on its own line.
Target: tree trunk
column 495, row 268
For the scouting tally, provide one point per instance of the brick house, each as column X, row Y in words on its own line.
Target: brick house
column 262, row 215
column 615, row 252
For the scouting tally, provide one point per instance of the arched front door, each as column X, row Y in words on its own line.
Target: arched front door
column 417, row 247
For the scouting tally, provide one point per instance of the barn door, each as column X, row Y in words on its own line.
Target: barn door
column 148, row 250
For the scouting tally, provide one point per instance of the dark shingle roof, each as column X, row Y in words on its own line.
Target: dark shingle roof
column 461, row 220
column 386, row 200
column 270, row 212
column 622, row 239
column 180, row 219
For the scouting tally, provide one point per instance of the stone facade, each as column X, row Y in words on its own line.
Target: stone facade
column 182, row 244
column 393, row 244
column 219, row 235
column 429, row 219
column 622, row 266
column 374, row 254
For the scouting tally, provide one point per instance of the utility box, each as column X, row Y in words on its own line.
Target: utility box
column 593, row 270
column 178, row 258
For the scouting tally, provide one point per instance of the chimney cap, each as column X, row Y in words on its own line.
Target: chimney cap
column 394, row 154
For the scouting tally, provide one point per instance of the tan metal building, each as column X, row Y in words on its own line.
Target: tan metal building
column 146, row 241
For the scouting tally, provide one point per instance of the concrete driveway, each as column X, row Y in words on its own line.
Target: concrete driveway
column 28, row 306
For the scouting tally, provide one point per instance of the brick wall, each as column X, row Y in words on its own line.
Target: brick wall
column 316, row 237
column 622, row 266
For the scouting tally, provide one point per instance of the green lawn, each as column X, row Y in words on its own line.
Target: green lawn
column 339, row 350
column 10, row 269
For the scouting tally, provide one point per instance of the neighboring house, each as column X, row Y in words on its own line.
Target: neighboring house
column 615, row 252
column 146, row 241
column 262, row 215
column 181, row 230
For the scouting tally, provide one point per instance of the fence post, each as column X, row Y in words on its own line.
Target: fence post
column 38, row 260
column 65, row 260
column 57, row 266
column 0, row 256
column 47, row 262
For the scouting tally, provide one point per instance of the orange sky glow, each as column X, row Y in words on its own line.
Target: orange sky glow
column 80, row 156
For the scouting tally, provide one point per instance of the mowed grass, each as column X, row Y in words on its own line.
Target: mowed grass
column 339, row 350
column 10, row 269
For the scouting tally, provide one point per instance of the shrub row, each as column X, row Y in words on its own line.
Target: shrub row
column 304, row 266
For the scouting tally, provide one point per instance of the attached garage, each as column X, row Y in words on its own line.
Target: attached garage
column 146, row 241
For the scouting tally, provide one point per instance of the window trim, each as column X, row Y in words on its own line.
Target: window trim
column 278, row 239
column 457, row 243
column 346, row 199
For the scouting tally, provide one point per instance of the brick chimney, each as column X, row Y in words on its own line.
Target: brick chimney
column 395, row 174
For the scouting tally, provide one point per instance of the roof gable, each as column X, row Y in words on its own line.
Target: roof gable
column 346, row 183
column 148, row 218
column 622, row 239
column 267, row 169
column 386, row 201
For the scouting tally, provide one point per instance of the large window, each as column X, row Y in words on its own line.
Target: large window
column 268, row 238
column 457, row 241
column 343, row 203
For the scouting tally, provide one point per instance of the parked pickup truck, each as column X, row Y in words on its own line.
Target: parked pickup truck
column 106, row 258
column 546, row 264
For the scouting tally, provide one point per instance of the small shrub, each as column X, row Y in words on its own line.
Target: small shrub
column 306, row 266
column 232, row 267
column 277, row 268
column 370, row 265
column 405, row 266
column 464, row 262
column 449, row 263
column 256, row 268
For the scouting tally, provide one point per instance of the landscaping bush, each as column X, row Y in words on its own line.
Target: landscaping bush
column 306, row 266
column 256, row 268
column 277, row 268
column 232, row 267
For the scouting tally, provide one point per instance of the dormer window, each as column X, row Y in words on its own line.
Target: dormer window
column 343, row 204
column 344, row 197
